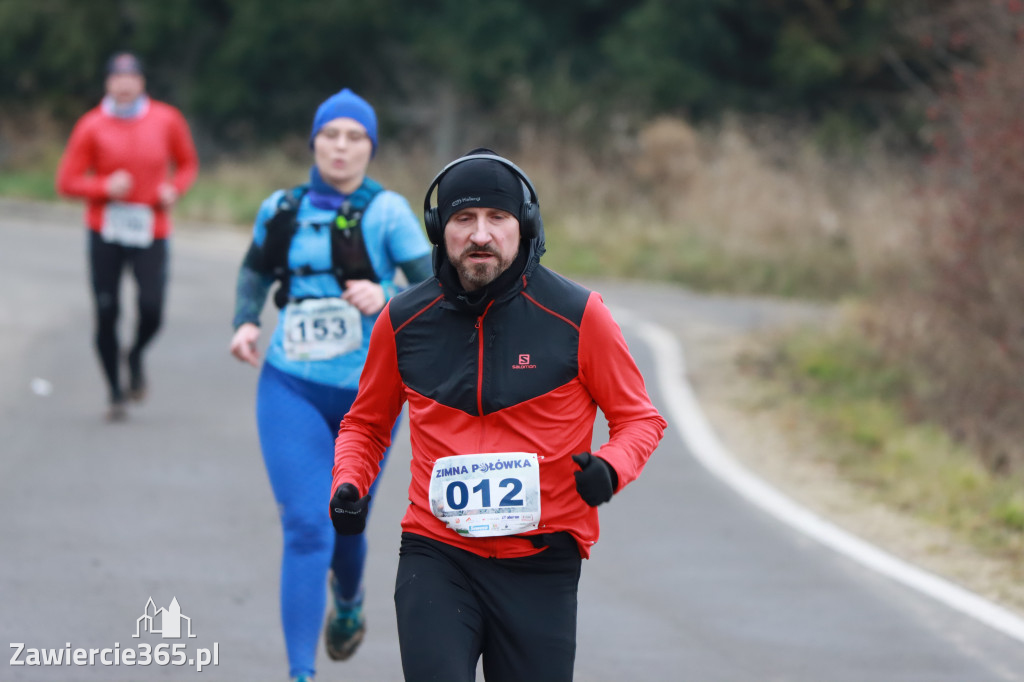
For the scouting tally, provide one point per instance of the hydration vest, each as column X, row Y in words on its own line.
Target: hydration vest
column 349, row 258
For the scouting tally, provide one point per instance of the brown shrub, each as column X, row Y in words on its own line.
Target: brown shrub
column 967, row 327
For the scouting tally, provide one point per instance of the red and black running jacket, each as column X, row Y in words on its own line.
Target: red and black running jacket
column 524, row 371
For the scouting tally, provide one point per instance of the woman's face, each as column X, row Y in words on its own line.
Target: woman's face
column 342, row 151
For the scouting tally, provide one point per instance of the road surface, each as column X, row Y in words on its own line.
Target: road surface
column 690, row 581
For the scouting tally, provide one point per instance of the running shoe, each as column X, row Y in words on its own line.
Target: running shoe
column 345, row 628
column 117, row 412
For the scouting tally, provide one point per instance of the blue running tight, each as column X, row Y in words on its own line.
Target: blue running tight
column 298, row 421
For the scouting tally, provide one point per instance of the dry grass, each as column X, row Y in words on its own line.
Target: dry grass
column 738, row 208
column 231, row 190
column 856, row 395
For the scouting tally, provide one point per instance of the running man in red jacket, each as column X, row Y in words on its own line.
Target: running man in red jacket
column 130, row 158
column 504, row 364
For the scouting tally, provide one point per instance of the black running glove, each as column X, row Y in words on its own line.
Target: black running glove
column 596, row 481
column 348, row 510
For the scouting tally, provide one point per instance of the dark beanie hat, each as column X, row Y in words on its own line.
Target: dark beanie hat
column 479, row 183
column 124, row 62
column 346, row 104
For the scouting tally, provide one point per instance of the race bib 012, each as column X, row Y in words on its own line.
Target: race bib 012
column 487, row 494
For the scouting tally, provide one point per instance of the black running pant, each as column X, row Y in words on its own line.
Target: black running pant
column 454, row 607
column 106, row 263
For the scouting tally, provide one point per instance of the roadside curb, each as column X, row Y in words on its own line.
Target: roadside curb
column 685, row 412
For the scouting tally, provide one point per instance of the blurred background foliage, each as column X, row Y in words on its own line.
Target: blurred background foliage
column 251, row 71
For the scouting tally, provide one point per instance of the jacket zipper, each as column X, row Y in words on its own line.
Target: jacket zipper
column 479, row 326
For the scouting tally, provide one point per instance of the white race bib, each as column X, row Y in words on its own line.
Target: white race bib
column 482, row 495
column 321, row 328
column 127, row 224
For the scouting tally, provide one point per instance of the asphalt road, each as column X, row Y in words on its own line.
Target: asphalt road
column 688, row 582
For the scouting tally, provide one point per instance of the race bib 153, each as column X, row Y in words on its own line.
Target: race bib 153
column 321, row 328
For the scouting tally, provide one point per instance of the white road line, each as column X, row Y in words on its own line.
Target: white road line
column 685, row 412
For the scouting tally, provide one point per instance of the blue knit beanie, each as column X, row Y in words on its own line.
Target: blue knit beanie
column 346, row 104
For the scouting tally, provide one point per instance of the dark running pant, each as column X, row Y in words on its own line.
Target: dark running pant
column 454, row 607
column 106, row 263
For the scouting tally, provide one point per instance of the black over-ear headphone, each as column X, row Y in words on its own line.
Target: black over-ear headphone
column 529, row 211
